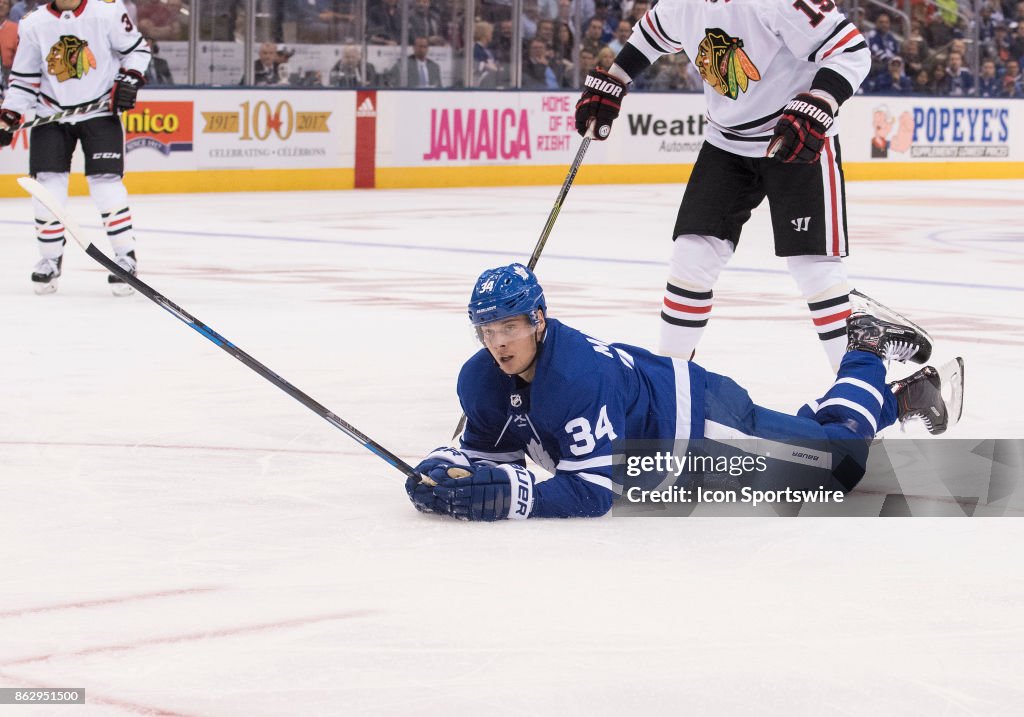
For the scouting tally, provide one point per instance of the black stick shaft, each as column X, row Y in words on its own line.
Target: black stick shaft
column 548, row 226
column 218, row 340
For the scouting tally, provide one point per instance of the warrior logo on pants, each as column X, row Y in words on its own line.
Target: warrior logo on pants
column 724, row 65
column 70, row 58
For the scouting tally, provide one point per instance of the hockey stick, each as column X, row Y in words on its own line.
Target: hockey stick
column 84, row 109
column 72, row 230
column 549, row 224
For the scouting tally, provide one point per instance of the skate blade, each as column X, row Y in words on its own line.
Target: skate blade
column 121, row 290
column 952, row 376
column 862, row 302
column 42, row 288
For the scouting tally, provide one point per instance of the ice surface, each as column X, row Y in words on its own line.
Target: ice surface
column 180, row 537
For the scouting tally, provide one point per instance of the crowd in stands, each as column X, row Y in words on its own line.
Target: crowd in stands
column 925, row 47
column 944, row 40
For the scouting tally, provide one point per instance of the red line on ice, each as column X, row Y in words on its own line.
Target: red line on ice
column 91, row 697
column 189, row 637
column 104, row 601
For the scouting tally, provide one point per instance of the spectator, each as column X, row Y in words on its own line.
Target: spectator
column 8, row 37
column 485, row 69
column 602, row 12
column 677, row 73
column 999, row 47
column 940, row 83
column 424, row 21
column 883, row 44
column 529, row 19
column 349, row 71
column 1017, row 40
column 592, row 36
column 315, row 21
column 159, row 72
column 637, row 11
column 988, row 84
column 502, row 46
column 546, row 33
column 622, row 33
column 538, row 74
column 563, row 41
column 421, row 70
column 588, row 61
column 268, row 66
column 384, row 23
column 605, row 58
column 922, row 83
column 961, row 81
column 913, row 55
column 937, row 33
column 894, row 81
column 22, row 8
column 163, row 20
column 1012, row 85
column 220, row 19
column 987, row 20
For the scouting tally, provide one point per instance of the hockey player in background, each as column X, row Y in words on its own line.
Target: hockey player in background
column 775, row 74
column 543, row 389
column 72, row 53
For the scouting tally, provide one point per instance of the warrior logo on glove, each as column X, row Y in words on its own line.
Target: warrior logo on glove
column 599, row 104
column 800, row 133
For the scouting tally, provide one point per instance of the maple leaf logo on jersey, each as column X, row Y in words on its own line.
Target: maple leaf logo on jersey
column 70, row 58
column 724, row 65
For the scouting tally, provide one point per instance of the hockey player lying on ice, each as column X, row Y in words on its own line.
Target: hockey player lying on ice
column 542, row 388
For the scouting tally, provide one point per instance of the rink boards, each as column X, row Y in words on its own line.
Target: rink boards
column 242, row 139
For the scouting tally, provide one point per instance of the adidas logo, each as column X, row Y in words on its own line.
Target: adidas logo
column 366, row 108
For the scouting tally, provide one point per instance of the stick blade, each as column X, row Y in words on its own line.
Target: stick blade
column 952, row 376
column 44, row 197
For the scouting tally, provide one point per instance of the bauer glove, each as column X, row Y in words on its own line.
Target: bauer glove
column 489, row 493
column 599, row 103
column 800, row 132
column 9, row 123
column 126, row 88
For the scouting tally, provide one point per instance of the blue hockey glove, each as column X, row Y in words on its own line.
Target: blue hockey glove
column 490, row 493
column 438, row 461
column 443, row 456
column 423, row 498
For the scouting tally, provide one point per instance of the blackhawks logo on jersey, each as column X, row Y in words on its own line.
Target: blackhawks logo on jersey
column 70, row 58
column 723, row 64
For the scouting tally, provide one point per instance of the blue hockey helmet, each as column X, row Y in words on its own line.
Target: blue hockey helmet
column 505, row 292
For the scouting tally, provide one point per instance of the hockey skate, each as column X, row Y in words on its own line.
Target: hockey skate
column 45, row 275
column 117, row 284
column 879, row 330
column 934, row 396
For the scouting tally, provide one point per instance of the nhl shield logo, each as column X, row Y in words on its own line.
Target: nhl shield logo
column 517, row 400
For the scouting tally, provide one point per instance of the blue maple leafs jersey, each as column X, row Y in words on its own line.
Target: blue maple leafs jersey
column 586, row 395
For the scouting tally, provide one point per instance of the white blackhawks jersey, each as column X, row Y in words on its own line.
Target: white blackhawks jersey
column 69, row 58
column 754, row 56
